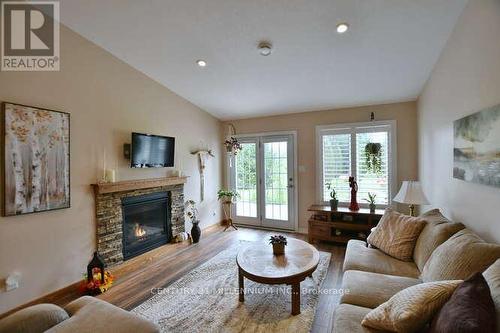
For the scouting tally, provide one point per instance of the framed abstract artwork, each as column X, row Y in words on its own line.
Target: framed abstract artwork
column 36, row 159
column 476, row 151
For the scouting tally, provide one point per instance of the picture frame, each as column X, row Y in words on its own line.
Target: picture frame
column 476, row 147
column 36, row 151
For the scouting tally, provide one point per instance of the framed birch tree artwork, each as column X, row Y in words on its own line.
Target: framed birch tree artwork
column 36, row 159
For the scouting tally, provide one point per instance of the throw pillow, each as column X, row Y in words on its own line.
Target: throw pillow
column 459, row 257
column 396, row 234
column 435, row 233
column 470, row 309
column 492, row 277
column 410, row 309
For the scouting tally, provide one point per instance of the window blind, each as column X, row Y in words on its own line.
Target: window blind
column 336, row 165
column 342, row 154
column 369, row 181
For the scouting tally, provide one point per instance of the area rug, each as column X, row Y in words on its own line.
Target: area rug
column 206, row 300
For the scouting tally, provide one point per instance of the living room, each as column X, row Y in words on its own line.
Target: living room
column 360, row 138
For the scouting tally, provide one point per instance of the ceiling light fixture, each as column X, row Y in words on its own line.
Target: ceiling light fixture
column 201, row 63
column 265, row 48
column 342, row 27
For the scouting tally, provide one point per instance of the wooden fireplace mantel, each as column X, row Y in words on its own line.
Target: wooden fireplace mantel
column 137, row 184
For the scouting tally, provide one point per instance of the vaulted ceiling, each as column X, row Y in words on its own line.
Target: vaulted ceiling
column 386, row 56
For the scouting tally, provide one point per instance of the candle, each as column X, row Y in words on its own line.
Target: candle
column 104, row 164
column 110, row 175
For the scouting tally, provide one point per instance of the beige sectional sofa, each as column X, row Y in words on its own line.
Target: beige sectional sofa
column 444, row 251
column 84, row 315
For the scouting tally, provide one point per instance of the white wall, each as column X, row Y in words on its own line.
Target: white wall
column 107, row 100
column 466, row 79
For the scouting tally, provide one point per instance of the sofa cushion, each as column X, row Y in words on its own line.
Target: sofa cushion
column 372, row 289
column 459, row 257
column 396, row 234
column 33, row 319
column 435, row 233
column 347, row 318
column 469, row 309
column 92, row 315
column 360, row 257
column 492, row 277
column 411, row 308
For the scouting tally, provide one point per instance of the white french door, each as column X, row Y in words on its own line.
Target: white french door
column 263, row 174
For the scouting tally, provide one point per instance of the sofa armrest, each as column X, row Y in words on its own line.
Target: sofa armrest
column 92, row 315
column 33, row 319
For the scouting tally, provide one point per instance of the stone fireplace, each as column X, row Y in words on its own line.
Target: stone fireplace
column 134, row 217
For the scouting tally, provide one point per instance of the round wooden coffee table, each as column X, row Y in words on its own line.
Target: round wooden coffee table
column 257, row 263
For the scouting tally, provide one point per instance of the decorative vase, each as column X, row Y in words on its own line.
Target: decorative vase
column 278, row 249
column 372, row 208
column 334, row 204
column 196, row 231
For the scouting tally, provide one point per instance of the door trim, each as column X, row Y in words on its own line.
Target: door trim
column 293, row 133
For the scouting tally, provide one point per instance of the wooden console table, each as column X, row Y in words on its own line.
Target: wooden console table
column 341, row 225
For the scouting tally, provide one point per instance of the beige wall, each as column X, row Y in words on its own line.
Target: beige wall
column 305, row 124
column 466, row 79
column 107, row 100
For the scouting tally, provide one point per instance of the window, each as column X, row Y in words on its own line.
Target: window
column 341, row 153
column 246, row 180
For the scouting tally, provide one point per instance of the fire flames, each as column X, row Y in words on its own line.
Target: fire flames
column 139, row 230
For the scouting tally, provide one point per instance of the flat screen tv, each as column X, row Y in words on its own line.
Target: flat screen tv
column 152, row 151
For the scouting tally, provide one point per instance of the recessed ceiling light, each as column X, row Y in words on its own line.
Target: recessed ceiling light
column 201, row 63
column 342, row 27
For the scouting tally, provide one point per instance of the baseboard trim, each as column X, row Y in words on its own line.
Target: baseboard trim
column 66, row 292
column 303, row 231
column 300, row 231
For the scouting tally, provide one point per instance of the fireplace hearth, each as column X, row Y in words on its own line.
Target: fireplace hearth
column 146, row 223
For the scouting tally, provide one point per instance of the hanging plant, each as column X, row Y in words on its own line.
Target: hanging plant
column 232, row 145
column 373, row 157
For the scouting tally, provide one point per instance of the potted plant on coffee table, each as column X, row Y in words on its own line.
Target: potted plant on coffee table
column 371, row 201
column 334, row 203
column 278, row 242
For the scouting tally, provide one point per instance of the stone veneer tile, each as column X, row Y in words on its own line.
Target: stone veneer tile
column 109, row 219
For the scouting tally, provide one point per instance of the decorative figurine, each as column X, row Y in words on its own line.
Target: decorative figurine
column 354, row 190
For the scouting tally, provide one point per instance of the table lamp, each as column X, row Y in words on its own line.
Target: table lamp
column 411, row 193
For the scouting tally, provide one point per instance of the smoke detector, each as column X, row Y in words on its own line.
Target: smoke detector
column 265, row 48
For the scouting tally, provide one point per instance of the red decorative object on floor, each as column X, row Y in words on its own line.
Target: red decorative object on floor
column 354, row 190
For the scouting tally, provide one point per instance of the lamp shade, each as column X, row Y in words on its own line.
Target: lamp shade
column 411, row 193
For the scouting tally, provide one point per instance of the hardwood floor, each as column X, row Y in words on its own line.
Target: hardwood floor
column 164, row 265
